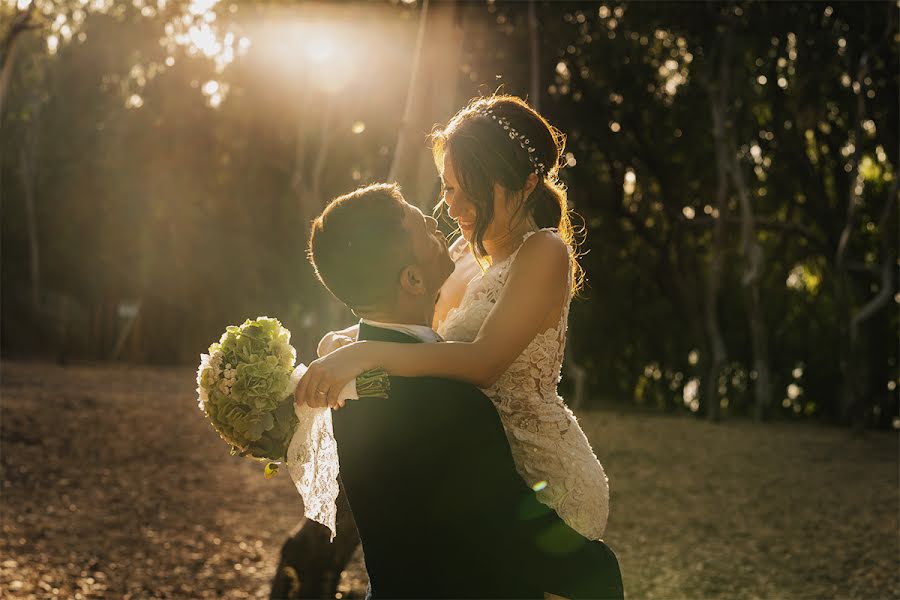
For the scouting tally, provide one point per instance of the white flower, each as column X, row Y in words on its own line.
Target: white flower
column 215, row 362
column 202, row 398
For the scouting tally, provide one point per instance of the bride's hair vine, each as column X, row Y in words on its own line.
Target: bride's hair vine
column 537, row 166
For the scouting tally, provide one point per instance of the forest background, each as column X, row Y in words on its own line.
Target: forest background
column 734, row 164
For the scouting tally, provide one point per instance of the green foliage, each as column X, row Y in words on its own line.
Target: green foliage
column 628, row 81
column 200, row 208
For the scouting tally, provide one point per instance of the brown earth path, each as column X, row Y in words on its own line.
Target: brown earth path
column 113, row 485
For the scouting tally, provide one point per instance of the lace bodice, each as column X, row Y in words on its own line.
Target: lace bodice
column 550, row 450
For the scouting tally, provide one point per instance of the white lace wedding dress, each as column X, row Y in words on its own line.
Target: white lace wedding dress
column 550, row 450
column 548, row 446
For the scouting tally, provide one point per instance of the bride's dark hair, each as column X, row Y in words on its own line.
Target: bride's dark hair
column 484, row 153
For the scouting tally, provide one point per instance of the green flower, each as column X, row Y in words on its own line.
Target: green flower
column 263, row 383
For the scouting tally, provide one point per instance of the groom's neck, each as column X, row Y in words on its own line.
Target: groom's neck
column 405, row 313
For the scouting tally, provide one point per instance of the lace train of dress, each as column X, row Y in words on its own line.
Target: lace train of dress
column 550, row 450
column 312, row 458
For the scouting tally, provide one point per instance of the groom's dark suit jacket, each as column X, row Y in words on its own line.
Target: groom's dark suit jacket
column 440, row 509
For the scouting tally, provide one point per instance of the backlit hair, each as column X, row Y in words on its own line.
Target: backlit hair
column 359, row 247
column 484, row 153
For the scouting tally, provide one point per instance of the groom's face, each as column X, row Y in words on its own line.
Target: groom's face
column 429, row 248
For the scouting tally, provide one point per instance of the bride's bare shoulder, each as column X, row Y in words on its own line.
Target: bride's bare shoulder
column 543, row 255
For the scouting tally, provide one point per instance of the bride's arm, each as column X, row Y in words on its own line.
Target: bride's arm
column 537, row 286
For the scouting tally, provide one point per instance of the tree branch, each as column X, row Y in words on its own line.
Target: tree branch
column 20, row 24
column 850, row 219
column 887, row 271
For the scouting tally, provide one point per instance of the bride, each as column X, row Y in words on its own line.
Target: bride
column 504, row 310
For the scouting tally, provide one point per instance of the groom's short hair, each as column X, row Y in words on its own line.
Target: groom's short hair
column 358, row 246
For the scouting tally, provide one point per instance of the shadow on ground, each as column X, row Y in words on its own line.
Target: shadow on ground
column 114, row 485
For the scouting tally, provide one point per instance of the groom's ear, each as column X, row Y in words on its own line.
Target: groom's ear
column 412, row 281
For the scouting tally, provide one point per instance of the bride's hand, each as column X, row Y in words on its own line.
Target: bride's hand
column 323, row 381
column 332, row 341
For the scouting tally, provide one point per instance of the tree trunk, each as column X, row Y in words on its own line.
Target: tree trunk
column 533, row 28
column 20, row 23
column 751, row 250
column 7, row 60
column 6, row 64
column 577, row 372
column 28, row 160
column 8, row 49
column 887, row 271
column 405, row 130
column 753, row 267
column 316, row 198
column 307, row 186
column 852, row 409
column 434, row 100
column 713, row 283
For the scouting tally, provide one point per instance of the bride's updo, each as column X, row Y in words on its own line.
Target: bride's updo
column 502, row 140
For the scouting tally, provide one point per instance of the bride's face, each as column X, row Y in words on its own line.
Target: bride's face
column 461, row 208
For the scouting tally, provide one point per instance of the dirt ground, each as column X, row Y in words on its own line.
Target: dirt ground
column 113, row 485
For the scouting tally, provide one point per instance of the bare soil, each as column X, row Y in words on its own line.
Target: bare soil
column 113, row 485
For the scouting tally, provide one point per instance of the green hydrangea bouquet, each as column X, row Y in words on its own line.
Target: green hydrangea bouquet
column 246, row 389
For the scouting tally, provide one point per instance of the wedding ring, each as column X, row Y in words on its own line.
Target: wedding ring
column 321, row 393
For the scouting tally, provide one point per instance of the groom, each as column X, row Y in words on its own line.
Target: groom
column 428, row 473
